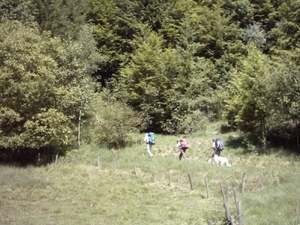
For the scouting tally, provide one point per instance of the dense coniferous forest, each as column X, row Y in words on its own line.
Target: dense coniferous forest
column 94, row 71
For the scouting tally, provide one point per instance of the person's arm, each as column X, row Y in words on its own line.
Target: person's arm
column 146, row 138
column 213, row 145
column 178, row 144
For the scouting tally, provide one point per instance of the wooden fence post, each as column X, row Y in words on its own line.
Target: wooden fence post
column 153, row 174
column 227, row 193
column 232, row 220
column 190, row 179
column 207, row 190
column 234, row 194
column 236, row 200
column 240, row 214
column 134, row 168
column 243, row 181
column 38, row 159
column 228, row 215
column 114, row 164
column 223, row 194
column 227, row 212
column 56, row 159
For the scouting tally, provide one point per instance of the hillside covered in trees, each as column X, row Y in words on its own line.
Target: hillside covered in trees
column 94, row 71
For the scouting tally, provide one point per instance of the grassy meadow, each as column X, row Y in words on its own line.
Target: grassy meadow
column 93, row 186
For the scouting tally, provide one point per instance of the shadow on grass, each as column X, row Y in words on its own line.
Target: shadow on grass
column 28, row 157
column 226, row 129
column 238, row 142
column 235, row 142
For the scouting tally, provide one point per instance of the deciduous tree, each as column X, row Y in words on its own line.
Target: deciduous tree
column 247, row 108
column 42, row 84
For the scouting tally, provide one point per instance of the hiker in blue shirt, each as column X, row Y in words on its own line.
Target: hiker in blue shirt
column 148, row 144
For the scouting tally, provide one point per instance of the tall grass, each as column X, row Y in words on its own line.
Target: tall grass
column 125, row 186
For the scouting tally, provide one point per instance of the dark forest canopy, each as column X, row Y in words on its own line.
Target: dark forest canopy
column 173, row 64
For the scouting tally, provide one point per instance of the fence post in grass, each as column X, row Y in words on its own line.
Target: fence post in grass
column 238, row 208
column 240, row 214
column 190, row 180
column 114, row 164
column 227, row 193
column 153, row 174
column 226, row 207
column 227, row 212
column 236, row 200
column 38, row 159
column 207, row 190
column 232, row 220
column 134, row 168
column 243, row 182
column 224, row 199
column 98, row 163
column 56, row 159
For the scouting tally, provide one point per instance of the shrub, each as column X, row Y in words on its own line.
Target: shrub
column 110, row 123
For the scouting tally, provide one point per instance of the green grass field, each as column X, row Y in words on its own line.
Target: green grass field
column 128, row 187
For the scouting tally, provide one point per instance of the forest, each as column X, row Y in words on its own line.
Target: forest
column 75, row 72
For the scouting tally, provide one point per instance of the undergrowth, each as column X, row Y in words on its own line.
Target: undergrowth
column 124, row 186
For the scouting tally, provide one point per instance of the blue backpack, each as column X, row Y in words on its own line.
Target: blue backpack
column 151, row 138
column 219, row 144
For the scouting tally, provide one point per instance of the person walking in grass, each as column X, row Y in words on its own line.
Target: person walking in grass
column 214, row 148
column 217, row 146
column 215, row 151
column 149, row 140
column 183, row 146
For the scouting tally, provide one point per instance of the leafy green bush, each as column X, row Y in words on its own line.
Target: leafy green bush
column 185, row 124
column 42, row 87
column 110, row 123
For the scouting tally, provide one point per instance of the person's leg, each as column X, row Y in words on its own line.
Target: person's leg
column 149, row 150
column 180, row 155
column 150, row 145
column 214, row 153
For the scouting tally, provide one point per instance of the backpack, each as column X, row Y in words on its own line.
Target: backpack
column 219, row 144
column 183, row 143
column 151, row 137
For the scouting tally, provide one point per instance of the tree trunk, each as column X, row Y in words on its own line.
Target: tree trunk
column 263, row 134
column 297, row 135
column 79, row 126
